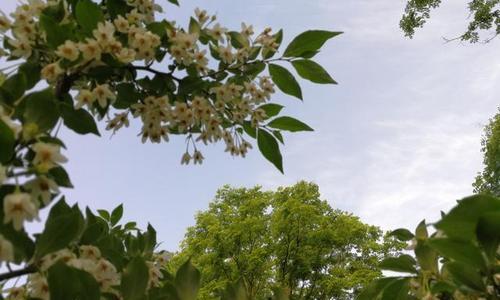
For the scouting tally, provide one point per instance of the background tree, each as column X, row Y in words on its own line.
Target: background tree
column 485, row 18
column 488, row 181
column 289, row 237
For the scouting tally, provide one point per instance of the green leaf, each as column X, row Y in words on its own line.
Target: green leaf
column 116, row 214
column 7, row 143
column 312, row 71
column 465, row 275
column 402, row 234
column 23, row 245
column 464, row 252
column 397, row 290
column 88, row 14
column 277, row 134
column 427, row 257
column 254, row 69
column 194, row 27
column 421, row 232
column 135, row 279
column 95, row 229
column 403, row 263
column 56, row 34
column 80, row 120
column 238, row 40
column 126, row 96
column 269, row 147
column 187, row 281
column 69, row 283
column 271, row 109
column 308, row 41
column 61, row 177
column 251, row 131
column 41, row 108
column 117, row 7
column 285, row 81
column 63, row 226
column 488, row 232
column 15, row 86
column 104, row 214
column 289, row 124
column 174, row 2
column 375, row 288
column 31, row 72
column 461, row 221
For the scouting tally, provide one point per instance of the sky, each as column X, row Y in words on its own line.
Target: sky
column 397, row 141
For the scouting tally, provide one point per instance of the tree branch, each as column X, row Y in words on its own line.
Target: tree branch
column 27, row 270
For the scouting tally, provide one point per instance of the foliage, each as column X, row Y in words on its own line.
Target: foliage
column 485, row 18
column 458, row 261
column 488, row 181
column 72, row 62
column 287, row 238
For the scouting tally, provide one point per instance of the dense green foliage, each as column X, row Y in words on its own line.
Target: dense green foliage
column 460, row 260
column 288, row 238
column 488, row 181
column 485, row 15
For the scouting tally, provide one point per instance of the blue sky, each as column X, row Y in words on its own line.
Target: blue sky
column 396, row 141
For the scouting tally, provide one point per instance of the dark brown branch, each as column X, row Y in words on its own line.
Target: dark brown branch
column 28, row 270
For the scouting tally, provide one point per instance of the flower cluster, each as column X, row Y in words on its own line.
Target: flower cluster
column 128, row 38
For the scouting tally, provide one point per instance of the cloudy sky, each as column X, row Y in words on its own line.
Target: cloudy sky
column 395, row 142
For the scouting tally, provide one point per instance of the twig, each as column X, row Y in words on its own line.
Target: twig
column 28, row 270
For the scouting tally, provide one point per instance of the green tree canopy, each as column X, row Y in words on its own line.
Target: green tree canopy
column 488, row 181
column 286, row 238
column 485, row 18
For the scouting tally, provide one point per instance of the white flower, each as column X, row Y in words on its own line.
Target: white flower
column 18, row 208
column 126, row 55
column 90, row 50
column 3, row 174
column 90, row 252
column 16, row 293
column 103, row 93
column 121, row 24
column 201, row 15
column 163, row 257
column 104, row 33
column 105, row 273
column 51, row 72
column 186, row 158
column 42, row 188
column 226, row 54
column 68, row 50
column 6, row 250
column 134, row 17
column 246, row 31
column 4, row 23
column 85, row 97
column 38, row 287
column 16, row 128
column 218, row 32
column 197, row 157
column 155, row 275
column 118, row 122
column 25, row 30
column 47, row 155
column 22, row 48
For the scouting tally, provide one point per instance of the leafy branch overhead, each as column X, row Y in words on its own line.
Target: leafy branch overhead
column 72, row 63
column 204, row 82
column 484, row 23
